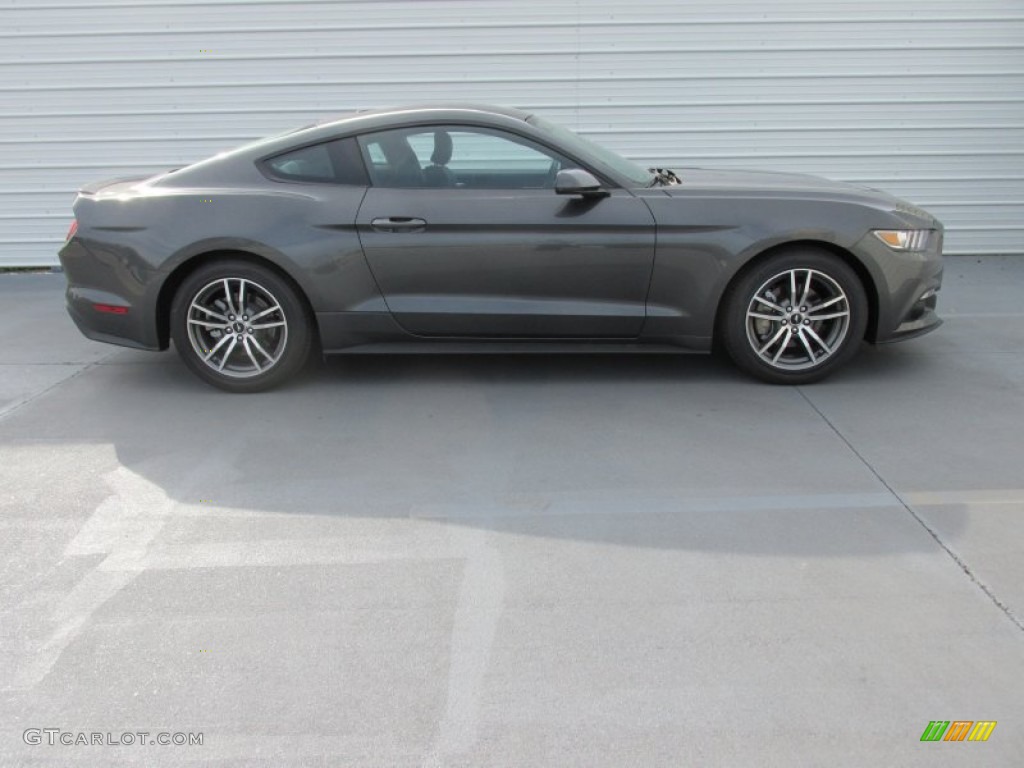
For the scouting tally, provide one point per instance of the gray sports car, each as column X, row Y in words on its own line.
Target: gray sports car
column 477, row 228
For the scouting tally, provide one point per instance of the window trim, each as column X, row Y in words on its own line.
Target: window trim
column 478, row 128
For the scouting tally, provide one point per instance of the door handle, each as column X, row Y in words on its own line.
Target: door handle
column 399, row 224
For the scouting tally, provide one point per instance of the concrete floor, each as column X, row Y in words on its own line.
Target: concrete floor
column 515, row 561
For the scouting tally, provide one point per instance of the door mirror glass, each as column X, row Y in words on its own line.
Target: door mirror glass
column 576, row 181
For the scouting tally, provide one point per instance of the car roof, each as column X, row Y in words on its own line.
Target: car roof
column 212, row 169
column 388, row 117
column 410, row 110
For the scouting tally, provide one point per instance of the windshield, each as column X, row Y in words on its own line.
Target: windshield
column 600, row 156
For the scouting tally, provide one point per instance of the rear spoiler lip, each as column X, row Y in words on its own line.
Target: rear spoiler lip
column 98, row 186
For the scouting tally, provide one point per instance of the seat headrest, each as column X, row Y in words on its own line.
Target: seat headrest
column 442, row 148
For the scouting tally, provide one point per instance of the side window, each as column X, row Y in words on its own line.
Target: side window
column 458, row 156
column 493, row 154
column 333, row 162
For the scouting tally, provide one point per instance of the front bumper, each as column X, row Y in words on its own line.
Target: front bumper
column 908, row 285
column 921, row 318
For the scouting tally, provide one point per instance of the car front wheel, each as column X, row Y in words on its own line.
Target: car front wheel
column 795, row 318
column 240, row 326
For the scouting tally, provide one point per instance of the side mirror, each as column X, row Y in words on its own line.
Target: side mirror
column 576, row 181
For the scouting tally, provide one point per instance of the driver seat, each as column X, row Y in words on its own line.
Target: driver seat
column 437, row 173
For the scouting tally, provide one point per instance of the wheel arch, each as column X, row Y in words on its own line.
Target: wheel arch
column 178, row 275
column 849, row 258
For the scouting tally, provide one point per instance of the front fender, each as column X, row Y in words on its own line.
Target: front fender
column 705, row 241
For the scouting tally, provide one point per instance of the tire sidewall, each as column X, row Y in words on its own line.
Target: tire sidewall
column 299, row 324
column 742, row 291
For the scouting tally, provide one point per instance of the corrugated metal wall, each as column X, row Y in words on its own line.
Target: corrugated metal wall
column 924, row 98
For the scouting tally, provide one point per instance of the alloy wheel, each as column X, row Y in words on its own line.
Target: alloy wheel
column 237, row 327
column 798, row 319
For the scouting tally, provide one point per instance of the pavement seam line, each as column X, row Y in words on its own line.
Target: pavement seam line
column 32, row 398
column 920, row 521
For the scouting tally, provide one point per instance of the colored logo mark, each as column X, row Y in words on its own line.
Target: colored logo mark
column 958, row 730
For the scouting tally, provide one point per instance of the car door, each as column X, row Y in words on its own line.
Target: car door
column 466, row 237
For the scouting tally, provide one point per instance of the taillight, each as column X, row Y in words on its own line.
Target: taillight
column 72, row 230
column 111, row 309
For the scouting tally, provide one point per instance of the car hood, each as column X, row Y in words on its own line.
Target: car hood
column 759, row 181
column 704, row 181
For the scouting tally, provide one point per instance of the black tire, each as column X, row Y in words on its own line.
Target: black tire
column 270, row 330
column 827, row 338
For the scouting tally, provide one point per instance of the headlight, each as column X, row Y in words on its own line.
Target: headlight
column 905, row 239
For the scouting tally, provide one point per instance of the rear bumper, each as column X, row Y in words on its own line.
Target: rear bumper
column 123, row 330
column 94, row 281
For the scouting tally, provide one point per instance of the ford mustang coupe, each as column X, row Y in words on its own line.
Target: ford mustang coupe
column 477, row 228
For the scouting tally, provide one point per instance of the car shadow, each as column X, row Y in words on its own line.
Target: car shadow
column 657, row 451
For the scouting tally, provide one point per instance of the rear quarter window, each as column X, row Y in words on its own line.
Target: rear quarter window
column 333, row 162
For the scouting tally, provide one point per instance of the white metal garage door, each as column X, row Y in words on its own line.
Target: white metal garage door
column 924, row 98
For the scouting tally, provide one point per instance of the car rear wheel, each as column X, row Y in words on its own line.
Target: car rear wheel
column 240, row 326
column 795, row 317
